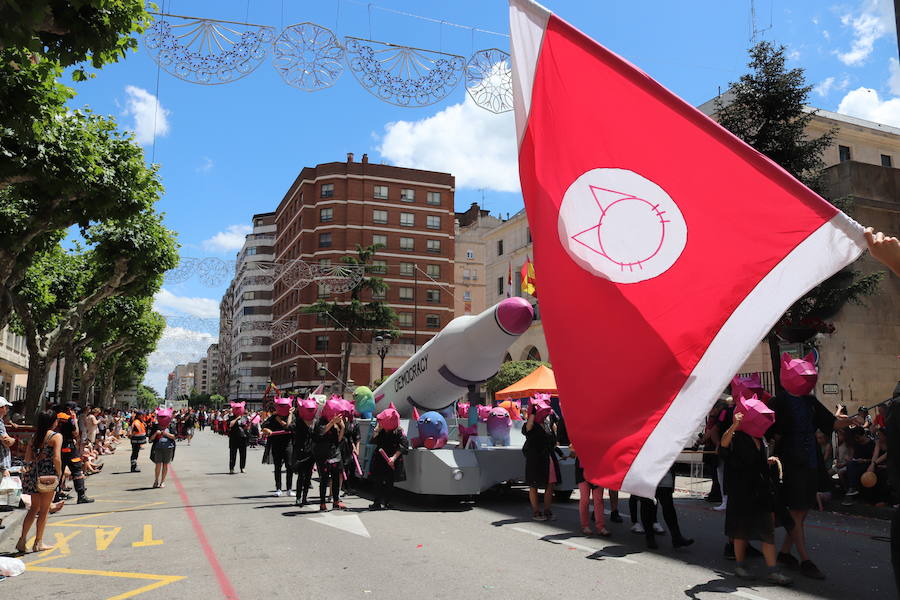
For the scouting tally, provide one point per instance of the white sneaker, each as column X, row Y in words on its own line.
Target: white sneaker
column 657, row 528
column 290, row 492
column 278, row 493
column 637, row 528
column 722, row 506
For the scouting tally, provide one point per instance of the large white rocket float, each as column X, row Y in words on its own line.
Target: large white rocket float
column 467, row 352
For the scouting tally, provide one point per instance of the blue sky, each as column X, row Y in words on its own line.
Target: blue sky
column 228, row 151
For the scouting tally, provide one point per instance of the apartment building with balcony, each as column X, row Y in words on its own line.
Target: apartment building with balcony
column 13, row 365
column 326, row 213
column 470, row 278
column 212, row 365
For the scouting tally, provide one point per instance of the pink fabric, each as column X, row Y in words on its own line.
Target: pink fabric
column 238, row 408
column 584, row 500
column 798, row 375
column 552, row 477
column 757, row 416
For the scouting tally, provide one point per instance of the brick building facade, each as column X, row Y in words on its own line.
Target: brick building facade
column 328, row 211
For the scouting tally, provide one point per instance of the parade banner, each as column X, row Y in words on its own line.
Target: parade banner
column 667, row 247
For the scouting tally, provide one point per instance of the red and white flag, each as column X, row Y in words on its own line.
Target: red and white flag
column 668, row 247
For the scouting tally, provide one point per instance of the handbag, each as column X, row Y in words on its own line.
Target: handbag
column 46, row 483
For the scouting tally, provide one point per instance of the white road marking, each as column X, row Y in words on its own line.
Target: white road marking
column 575, row 545
column 747, row 595
column 349, row 523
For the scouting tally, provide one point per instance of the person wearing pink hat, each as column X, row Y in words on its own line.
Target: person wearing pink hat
column 162, row 448
column 751, row 504
column 387, row 466
column 302, row 459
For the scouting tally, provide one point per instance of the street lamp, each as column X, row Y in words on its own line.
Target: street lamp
column 238, row 382
column 382, row 344
column 322, row 370
column 293, row 371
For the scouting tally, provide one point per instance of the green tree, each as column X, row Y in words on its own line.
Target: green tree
column 216, row 400
column 124, row 257
column 355, row 315
column 511, row 372
column 767, row 108
column 147, row 397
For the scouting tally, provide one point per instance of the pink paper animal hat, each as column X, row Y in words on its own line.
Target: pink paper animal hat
column 542, row 408
column 282, row 407
column 462, row 409
column 389, row 418
column 237, row 408
column 333, row 406
column 757, row 416
column 798, row 375
column 483, row 412
column 307, row 408
column 747, row 385
column 349, row 408
column 163, row 416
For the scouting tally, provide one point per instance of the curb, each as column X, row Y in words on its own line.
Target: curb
column 12, row 522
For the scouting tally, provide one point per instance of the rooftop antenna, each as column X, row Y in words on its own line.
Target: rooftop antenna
column 482, row 197
column 754, row 32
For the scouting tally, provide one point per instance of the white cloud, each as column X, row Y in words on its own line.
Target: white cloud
column 865, row 104
column 894, row 80
column 874, row 20
column 793, row 55
column 205, row 166
column 148, row 114
column 832, row 84
column 165, row 302
column 826, row 34
column 478, row 147
column 230, row 239
column 177, row 346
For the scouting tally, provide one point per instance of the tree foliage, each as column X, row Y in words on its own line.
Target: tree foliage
column 511, row 372
column 147, row 397
column 356, row 315
column 767, row 108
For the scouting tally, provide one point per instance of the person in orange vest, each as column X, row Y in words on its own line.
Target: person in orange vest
column 71, row 458
column 137, row 432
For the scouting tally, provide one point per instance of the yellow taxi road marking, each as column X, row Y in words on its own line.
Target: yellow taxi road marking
column 42, row 560
column 159, row 580
column 68, row 522
column 104, row 537
column 148, row 538
column 62, row 544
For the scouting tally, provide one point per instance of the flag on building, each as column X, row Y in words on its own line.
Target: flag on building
column 528, row 281
column 668, row 247
column 509, row 282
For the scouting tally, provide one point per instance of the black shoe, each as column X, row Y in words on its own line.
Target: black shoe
column 614, row 517
column 376, row 506
column 681, row 542
column 729, row 551
column 84, row 500
column 388, row 506
column 809, row 569
column 787, row 559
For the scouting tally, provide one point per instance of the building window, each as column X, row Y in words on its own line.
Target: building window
column 380, row 216
column 433, row 198
column 433, row 222
column 499, row 247
column 886, row 161
column 379, row 239
column 500, row 286
column 326, row 215
column 327, row 190
column 258, row 222
column 432, row 321
column 379, row 266
column 467, row 274
column 244, row 373
column 528, row 233
column 324, row 240
column 470, row 255
column 406, row 243
column 408, row 195
column 404, row 319
column 321, row 343
column 433, row 246
column 248, row 295
column 406, row 268
column 843, row 153
column 378, row 294
column 324, row 290
column 406, row 293
column 407, row 219
column 250, row 251
column 432, row 295
column 433, row 270
column 249, row 310
column 467, row 296
column 380, row 192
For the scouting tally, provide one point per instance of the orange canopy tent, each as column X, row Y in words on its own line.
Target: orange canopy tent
column 541, row 380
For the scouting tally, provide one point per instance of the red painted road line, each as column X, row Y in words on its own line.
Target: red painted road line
column 224, row 583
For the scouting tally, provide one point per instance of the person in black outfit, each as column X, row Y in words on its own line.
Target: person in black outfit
column 664, row 492
column 750, row 514
column 302, row 455
column 327, row 438
column 68, row 427
column 385, row 472
column 278, row 449
column 540, row 457
column 349, row 448
column 238, row 435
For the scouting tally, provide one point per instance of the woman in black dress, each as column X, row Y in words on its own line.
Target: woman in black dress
column 387, row 463
column 541, row 464
column 350, row 448
column 238, row 426
column 162, row 448
column 750, row 514
column 327, row 438
column 276, row 428
column 302, row 458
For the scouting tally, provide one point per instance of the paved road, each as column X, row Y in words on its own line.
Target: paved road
column 212, row 535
